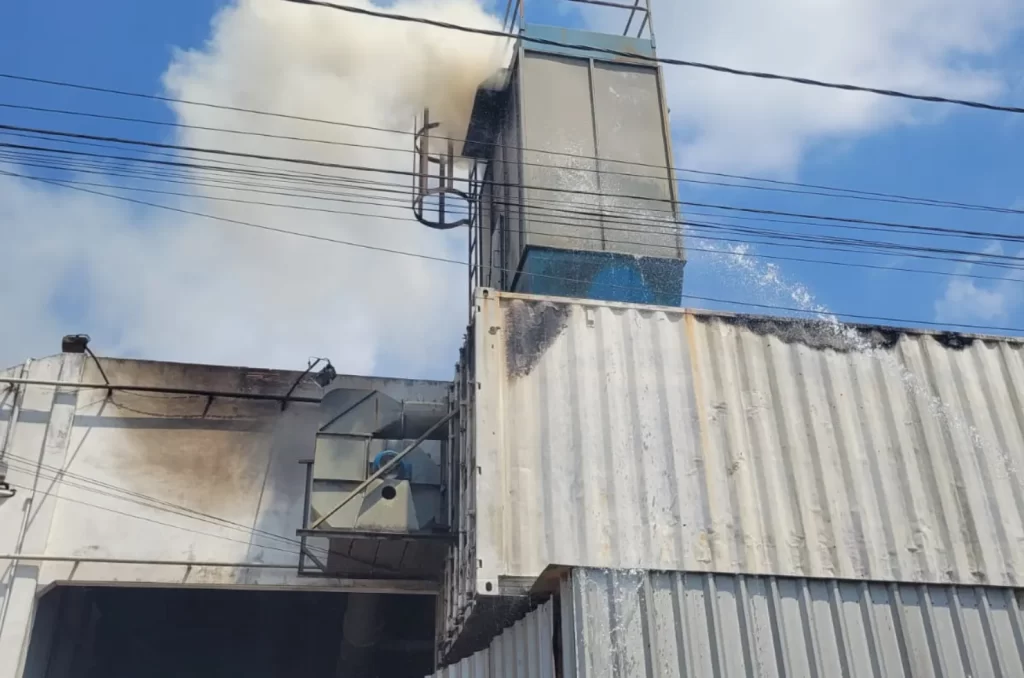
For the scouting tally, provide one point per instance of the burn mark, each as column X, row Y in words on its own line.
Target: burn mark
column 212, row 471
column 531, row 327
column 816, row 334
column 954, row 340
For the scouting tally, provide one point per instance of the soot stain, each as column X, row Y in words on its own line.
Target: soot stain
column 816, row 334
column 954, row 341
column 531, row 328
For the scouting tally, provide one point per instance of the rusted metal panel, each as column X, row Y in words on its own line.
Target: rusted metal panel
column 638, row 437
column 526, row 649
column 668, row 624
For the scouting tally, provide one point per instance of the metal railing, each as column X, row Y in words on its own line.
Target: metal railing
column 427, row 184
column 475, row 224
column 637, row 9
column 515, row 12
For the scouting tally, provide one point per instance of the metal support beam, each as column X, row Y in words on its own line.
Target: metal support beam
column 160, row 389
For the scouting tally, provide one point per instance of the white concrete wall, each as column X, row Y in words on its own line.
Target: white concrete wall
column 131, row 475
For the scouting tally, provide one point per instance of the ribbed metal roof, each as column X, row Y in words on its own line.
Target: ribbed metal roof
column 643, row 625
column 632, row 437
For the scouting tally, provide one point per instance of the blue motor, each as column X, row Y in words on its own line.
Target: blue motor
column 402, row 472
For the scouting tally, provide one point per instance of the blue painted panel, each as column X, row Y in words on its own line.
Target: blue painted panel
column 638, row 46
column 601, row 276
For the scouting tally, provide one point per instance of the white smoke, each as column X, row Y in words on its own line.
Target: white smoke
column 184, row 288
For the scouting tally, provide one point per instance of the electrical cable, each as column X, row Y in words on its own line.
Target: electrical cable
column 692, row 225
column 156, row 97
column 598, row 194
column 818, row 190
column 987, row 235
column 25, row 465
column 663, row 60
column 603, row 214
column 718, row 227
column 149, row 520
column 425, row 257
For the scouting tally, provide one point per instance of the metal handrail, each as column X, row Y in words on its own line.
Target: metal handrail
column 634, row 7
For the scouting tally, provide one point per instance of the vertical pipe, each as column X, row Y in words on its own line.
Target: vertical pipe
column 442, row 184
column 451, row 163
column 522, row 144
column 649, row 18
column 15, row 413
column 361, row 631
column 597, row 155
column 424, row 150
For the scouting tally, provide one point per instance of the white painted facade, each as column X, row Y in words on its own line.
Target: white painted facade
column 166, row 479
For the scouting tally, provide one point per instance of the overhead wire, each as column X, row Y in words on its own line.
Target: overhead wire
column 791, row 187
column 632, row 55
column 604, row 212
column 973, row 257
column 391, row 171
column 69, row 479
column 192, row 530
column 824, row 316
column 120, row 92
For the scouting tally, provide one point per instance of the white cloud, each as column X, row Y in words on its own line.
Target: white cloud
column 174, row 287
column 168, row 286
column 967, row 300
column 739, row 123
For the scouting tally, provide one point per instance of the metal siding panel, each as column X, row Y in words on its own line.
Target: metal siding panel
column 525, row 650
column 667, row 624
column 631, row 143
column 641, row 437
column 557, row 117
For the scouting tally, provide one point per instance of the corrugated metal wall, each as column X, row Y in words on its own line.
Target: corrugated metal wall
column 526, row 650
column 640, row 624
column 614, row 436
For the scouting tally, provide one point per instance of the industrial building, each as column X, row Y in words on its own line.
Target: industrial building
column 610, row 485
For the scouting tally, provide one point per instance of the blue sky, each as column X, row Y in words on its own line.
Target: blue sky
column 923, row 150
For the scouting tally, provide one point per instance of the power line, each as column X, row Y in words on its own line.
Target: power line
column 832, row 314
column 603, row 213
column 665, row 60
column 119, row 92
column 147, row 519
column 689, row 248
column 365, row 168
column 817, row 189
column 100, row 488
column 974, row 257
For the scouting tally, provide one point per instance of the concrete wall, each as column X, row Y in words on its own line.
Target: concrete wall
column 154, row 477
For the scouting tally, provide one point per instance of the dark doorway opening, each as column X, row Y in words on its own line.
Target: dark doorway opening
column 121, row 632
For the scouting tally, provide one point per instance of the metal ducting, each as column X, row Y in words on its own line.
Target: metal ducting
column 372, row 413
column 361, row 633
column 353, row 498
